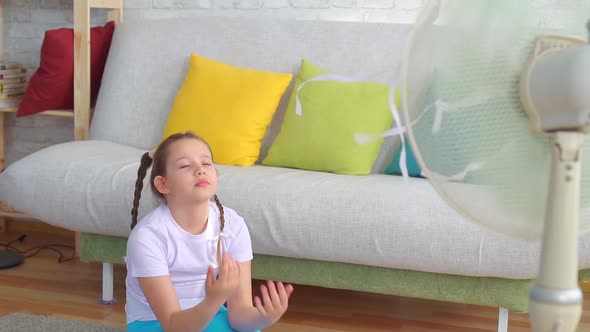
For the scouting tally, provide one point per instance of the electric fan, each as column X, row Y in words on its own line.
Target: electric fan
column 496, row 101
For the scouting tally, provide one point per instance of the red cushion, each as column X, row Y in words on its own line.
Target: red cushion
column 51, row 87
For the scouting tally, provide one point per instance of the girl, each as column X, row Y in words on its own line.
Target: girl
column 176, row 251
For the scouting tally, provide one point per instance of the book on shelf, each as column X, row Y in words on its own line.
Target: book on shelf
column 8, row 86
column 11, row 66
column 13, row 71
column 17, row 75
column 14, row 91
column 13, row 80
column 10, row 100
column 10, row 95
column 11, row 91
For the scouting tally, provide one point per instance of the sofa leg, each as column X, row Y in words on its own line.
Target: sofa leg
column 503, row 320
column 107, row 284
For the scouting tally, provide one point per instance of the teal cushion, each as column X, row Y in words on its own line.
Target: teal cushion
column 413, row 166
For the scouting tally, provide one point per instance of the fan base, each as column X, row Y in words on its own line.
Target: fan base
column 10, row 259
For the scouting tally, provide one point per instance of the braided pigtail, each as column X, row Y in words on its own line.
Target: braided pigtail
column 222, row 222
column 146, row 161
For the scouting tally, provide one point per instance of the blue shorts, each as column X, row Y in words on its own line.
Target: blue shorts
column 220, row 323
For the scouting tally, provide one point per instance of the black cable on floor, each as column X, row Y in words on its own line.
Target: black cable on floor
column 38, row 249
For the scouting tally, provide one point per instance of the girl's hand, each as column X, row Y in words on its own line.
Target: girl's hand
column 275, row 300
column 229, row 276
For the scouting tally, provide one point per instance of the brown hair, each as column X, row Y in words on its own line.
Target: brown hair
column 159, row 169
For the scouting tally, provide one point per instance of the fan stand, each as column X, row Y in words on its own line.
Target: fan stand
column 9, row 258
column 556, row 298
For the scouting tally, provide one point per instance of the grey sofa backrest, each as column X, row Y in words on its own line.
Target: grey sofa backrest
column 148, row 60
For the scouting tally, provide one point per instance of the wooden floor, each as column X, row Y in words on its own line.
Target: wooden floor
column 72, row 290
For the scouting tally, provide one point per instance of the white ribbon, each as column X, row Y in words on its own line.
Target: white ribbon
column 439, row 106
column 459, row 177
column 323, row 77
column 403, row 165
column 213, row 248
column 474, row 166
column 364, row 138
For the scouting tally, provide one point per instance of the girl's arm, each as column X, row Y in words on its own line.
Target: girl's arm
column 245, row 317
column 162, row 298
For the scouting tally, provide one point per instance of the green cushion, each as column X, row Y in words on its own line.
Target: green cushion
column 322, row 137
column 411, row 162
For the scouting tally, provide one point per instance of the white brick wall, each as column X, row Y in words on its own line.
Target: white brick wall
column 25, row 22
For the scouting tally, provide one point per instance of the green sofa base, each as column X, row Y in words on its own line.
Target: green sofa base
column 496, row 292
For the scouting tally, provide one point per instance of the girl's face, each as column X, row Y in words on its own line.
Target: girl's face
column 190, row 174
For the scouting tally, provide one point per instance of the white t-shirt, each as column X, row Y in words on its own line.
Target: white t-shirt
column 158, row 246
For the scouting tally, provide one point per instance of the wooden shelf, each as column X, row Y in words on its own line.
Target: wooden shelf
column 108, row 4
column 8, row 109
column 5, row 211
column 63, row 113
column 82, row 105
column 8, row 214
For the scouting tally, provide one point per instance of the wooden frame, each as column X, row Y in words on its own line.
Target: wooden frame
column 82, row 110
column 82, row 8
column 1, row 30
column 82, row 113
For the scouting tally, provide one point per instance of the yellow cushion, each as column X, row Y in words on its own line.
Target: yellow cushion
column 229, row 107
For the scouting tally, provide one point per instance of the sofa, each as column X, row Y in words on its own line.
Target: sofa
column 307, row 227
